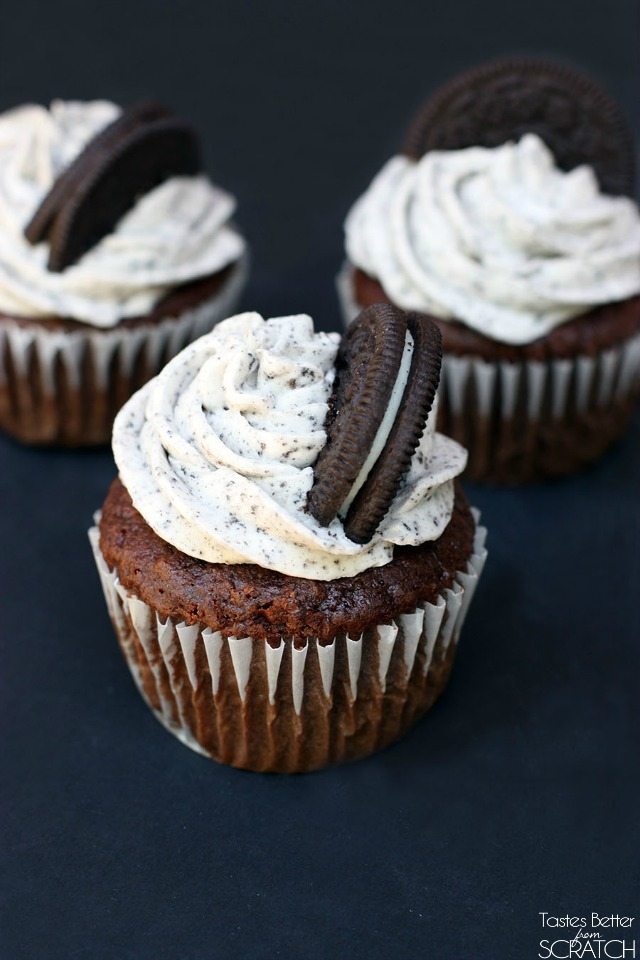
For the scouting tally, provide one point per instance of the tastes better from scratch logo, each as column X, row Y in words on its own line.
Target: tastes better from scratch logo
column 605, row 937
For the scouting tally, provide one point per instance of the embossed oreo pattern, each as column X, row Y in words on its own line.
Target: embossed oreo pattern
column 504, row 99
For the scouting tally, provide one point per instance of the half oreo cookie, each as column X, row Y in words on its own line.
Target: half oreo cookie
column 387, row 374
column 143, row 147
column 504, row 99
column 96, row 151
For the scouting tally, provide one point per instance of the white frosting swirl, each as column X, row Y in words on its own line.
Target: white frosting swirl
column 500, row 239
column 175, row 233
column 217, row 454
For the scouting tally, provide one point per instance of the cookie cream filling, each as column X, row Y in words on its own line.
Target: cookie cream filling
column 381, row 437
column 499, row 239
column 217, row 454
column 177, row 232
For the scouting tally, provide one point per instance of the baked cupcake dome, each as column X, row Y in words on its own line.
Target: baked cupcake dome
column 257, row 635
column 115, row 251
column 535, row 394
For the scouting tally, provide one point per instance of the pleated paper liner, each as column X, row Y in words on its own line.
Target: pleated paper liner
column 66, row 387
column 301, row 705
column 530, row 420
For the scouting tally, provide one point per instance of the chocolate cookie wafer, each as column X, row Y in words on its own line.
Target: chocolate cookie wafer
column 95, row 152
column 504, row 99
column 388, row 371
column 134, row 154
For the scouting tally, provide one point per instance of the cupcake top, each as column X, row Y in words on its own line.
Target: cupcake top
column 176, row 232
column 497, row 238
column 218, row 454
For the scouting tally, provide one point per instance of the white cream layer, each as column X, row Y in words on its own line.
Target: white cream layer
column 386, row 424
column 177, row 232
column 500, row 239
column 217, row 453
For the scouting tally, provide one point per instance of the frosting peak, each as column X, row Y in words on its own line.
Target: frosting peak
column 499, row 239
column 175, row 233
column 217, row 454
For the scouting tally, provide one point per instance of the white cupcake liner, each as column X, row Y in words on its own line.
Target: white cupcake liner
column 553, row 391
column 587, row 381
column 40, row 357
column 167, row 337
column 419, row 640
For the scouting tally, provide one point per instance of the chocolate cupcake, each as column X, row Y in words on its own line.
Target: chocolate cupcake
column 508, row 219
column 115, row 252
column 287, row 556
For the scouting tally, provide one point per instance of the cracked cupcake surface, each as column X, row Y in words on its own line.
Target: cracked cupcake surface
column 217, row 454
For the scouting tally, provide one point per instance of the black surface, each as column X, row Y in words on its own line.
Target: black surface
column 519, row 793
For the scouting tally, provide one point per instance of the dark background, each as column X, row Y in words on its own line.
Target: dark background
column 519, row 792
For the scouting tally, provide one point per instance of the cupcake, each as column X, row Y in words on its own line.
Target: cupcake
column 287, row 555
column 508, row 219
column 115, row 252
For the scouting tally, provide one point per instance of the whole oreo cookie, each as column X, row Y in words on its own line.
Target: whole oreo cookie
column 504, row 99
column 375, row 496
column 366, row 370
column 387, row 374
column 95, row 153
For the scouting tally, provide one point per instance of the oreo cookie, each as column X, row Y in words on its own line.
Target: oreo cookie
column 504, row 99
column 94, row 153
column 387, row 374
column 143, row 147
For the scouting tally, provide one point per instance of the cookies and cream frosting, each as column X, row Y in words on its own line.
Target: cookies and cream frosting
column 175, row 233
column 499, row 239
column 217, row 454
